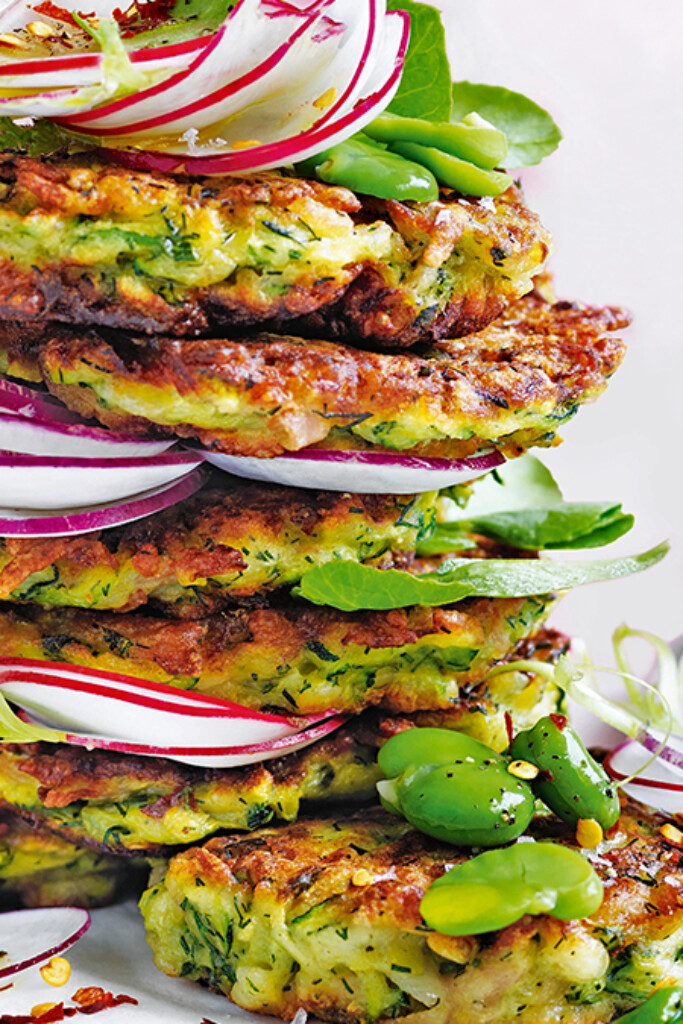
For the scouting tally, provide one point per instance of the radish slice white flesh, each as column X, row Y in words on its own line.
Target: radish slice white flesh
column 30, row 523
column 32, row 937
column 379, row 91
column 358, row 472
column 42, row 482
column 219, row 755
column 129, row 715
column 77, row 440
column 662, row 784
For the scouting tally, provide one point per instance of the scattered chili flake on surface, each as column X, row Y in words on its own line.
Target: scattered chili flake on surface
column 89, row 1000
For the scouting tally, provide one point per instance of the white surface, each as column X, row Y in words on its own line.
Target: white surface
column 114, row 956
column 610, row 71
column 611, row 74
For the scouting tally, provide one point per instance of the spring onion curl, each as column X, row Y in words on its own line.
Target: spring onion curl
column 657, row 708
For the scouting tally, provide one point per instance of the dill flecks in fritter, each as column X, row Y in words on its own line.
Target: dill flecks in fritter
column 97, row 244
column 125, row 804
column 324, row 915
column 511, row 386
column 39, row 868
column 229, row 541
column 293, row 657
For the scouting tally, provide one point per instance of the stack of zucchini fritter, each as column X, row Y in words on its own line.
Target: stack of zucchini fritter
column 140, row 300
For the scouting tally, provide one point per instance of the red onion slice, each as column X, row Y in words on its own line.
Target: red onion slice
column 29, row 523
column 41, row 482
column 71, row 440
column 361, row 472
column 661, row 787
column 31, row 937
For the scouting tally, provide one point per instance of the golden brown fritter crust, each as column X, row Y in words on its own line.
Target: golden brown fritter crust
column 230, row 540
column 383, row 291
column 107, row 800
column 511, row 385
column 293, row 657
column 362, row 878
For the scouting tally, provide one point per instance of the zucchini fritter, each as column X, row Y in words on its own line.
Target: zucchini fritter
column 324, row 915
column 122, row 803
column 511, row 386
column 293, row 657
column 231, row 540
column 41, row 869
column 94, row 244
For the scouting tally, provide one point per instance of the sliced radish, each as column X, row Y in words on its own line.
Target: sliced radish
column 41, row 482
column 358, row 472
column 29, row 523
column 31, row 937
column 85, row 68
column 661, row 787
column 380, row 90
column 110, row 711
column 218, row 755
column 273, row 54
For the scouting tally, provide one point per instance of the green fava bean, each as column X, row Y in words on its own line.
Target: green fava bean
column 663, row 1007
column 365, row 167
column 499, row 887
column 571, row 783
column 454, row 788
column 472, row 139
column 457, row 174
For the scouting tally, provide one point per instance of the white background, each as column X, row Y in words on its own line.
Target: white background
column 610, row 73
column 609, row 70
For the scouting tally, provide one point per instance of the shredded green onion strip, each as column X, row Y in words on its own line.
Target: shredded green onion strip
column 658, row 708
column 13, row 730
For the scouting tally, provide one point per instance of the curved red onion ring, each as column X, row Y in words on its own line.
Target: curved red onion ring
column 34, row 936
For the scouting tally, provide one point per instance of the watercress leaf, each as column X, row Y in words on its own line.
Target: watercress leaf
column 39, row 138
column 425, row 89
column 572, row 525
column 531, row 132
column 350, row 586
column 518, row 484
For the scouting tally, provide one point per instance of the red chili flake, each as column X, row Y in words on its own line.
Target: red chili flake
column 50, row 10
column 5, row 987
column 93, row 999
column 509, row 727
column 55, row 1014
column 561, row 721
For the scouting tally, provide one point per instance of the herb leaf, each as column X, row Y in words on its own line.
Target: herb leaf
column 531, row 132
column 39, row 139
column 425, row 89
column 349, row 586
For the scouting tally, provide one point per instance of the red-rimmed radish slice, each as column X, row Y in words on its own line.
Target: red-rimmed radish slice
column 85, row 68
column 662, row 784
column 103, row 710
column 79, row 678
column 359, row 472
column 77, row 440
column 219, row 755
column 32, row 937
column 274, row 54
column 378, row 93
column 42, row 482
column 29, row 523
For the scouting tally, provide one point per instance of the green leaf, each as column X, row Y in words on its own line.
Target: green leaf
column 531, row 132
column 579, row 525
column 349, row 586
column 41, row 138
column 519, row 483
column 425, row 89
column 521, row 505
